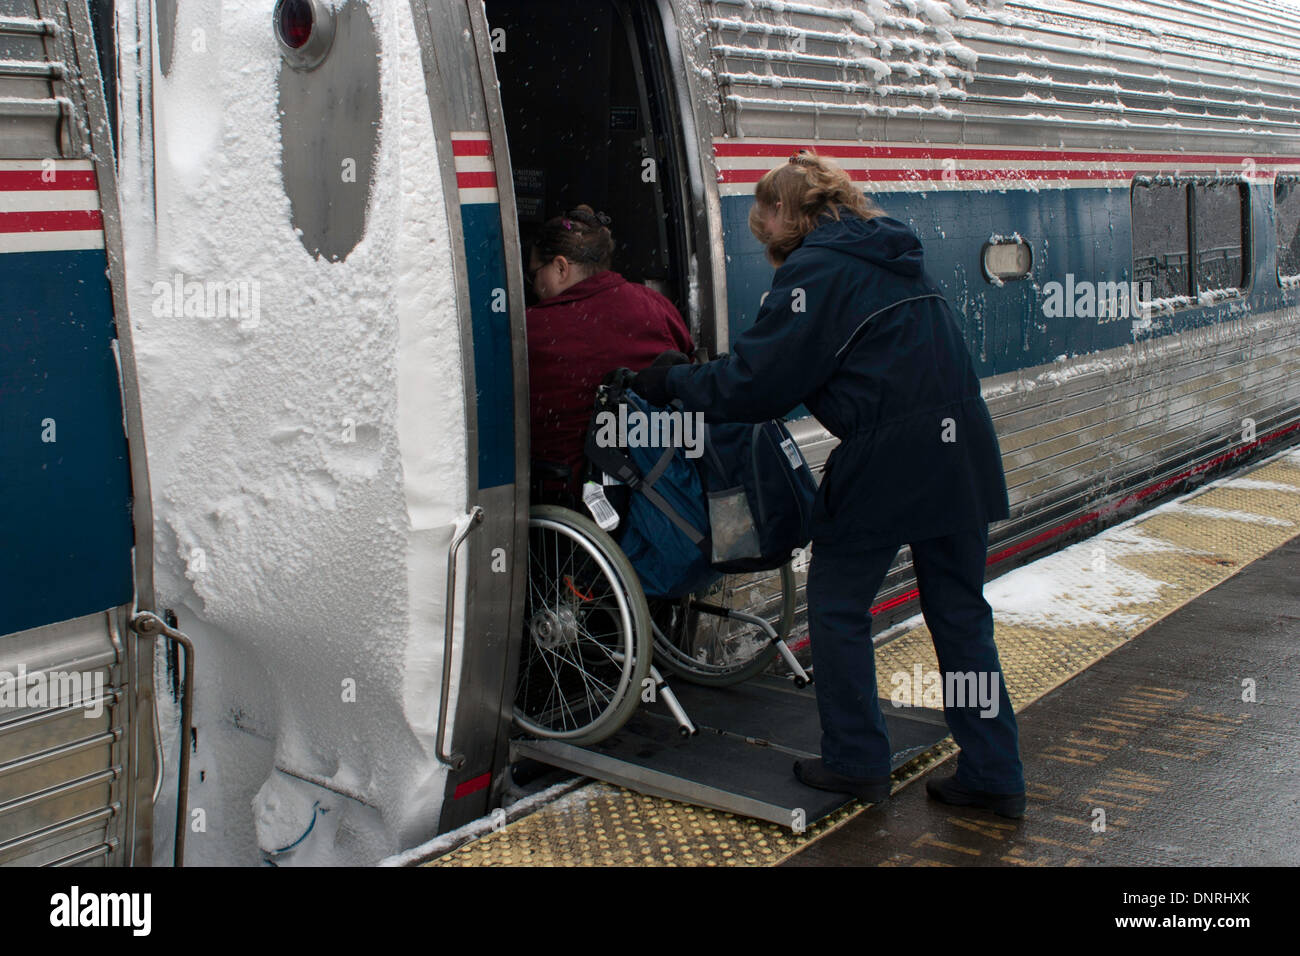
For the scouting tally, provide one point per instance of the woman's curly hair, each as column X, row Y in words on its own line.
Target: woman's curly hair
column 807, row 186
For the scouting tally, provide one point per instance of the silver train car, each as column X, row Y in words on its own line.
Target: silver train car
column 284, row 242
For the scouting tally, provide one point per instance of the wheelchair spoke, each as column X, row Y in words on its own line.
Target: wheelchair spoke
column 554, row 689
column 586, row 635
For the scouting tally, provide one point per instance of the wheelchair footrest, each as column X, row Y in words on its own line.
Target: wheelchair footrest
column 665, row 694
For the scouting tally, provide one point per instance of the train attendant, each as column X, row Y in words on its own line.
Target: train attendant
column 854, row 329
column 590, row 320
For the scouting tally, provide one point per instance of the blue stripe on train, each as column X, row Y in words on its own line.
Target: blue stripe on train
column 493, row 363
column 65, row 506
column 1086, row 232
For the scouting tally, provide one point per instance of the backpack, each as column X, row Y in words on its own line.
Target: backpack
column 665, row 531
column 745, row 505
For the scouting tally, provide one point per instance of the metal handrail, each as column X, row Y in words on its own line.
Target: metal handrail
column 147, row 624
column 445, row 754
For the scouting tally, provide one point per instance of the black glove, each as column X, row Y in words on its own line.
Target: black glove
column 652, row 383
column 618, row 377
column 671, row 358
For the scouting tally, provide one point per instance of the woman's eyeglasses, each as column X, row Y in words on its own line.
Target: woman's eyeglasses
column 531, row 274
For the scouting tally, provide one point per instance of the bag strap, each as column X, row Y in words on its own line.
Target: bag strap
column 712, row 452
column 660, row 466
column 614, row 462
column 647, row 488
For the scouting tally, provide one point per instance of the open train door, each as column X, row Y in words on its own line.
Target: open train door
column 488, row 280
column 80, row 764
column 598, row 110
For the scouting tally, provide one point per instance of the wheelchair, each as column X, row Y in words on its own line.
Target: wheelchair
column 593, row 643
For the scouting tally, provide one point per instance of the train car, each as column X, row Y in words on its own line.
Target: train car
column 313, row 221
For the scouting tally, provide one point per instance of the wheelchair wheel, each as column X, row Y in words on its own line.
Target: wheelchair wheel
column 706, row 649
column 586, row 643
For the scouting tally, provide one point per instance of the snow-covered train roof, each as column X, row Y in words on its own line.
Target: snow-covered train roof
column 1118, row 73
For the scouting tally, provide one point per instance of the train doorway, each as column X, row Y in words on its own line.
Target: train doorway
column 591, row 119
column 592, row 116
column 592, row 113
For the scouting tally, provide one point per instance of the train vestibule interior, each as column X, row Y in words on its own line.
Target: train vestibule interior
column 586, row 124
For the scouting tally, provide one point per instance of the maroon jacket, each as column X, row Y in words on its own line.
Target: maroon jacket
column 577, row 337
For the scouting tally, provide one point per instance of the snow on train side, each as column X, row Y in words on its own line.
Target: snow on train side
column 297, row 303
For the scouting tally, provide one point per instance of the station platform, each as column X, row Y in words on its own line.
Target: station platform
column 1150, row 757
column 1154, row 669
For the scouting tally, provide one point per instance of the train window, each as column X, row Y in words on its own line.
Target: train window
column 1287, row 213
column 1161, row 244
column 1220, row 213
column 1006, row 258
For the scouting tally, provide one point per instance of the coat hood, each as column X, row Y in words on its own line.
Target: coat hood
column 882, row 241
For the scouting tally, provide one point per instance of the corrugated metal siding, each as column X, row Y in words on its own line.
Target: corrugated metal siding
column 1100, row 71
column 847, row 65
column 31, row 113
column 1151, row 64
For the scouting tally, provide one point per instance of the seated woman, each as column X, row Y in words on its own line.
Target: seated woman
column 590, row 320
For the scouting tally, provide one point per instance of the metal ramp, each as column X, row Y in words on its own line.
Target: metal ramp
column 741, row 759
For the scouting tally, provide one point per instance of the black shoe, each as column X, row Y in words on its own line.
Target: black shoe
column 951, row 792
column 813, row 773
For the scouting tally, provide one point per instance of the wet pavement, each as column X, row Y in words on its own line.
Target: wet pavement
column 1181, row 747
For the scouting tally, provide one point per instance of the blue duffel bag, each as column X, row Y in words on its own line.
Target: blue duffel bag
column 745, row 505
column 665, row 532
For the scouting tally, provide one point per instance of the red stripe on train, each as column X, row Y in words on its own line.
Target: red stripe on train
column 54, row 220
column 25, row 179
column 473, row 785
column 476, row 180
column 757, row 150
column 928, row 175
column 471, row 147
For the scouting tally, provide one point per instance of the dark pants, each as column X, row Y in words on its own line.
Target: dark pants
column 842, row 585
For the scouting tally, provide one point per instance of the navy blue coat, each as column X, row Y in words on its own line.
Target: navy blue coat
column 855, row 330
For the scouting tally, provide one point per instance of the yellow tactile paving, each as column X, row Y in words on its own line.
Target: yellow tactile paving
column 1173, row 554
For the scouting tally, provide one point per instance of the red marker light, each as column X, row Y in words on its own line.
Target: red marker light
column 295, row 22
column 304, row 31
